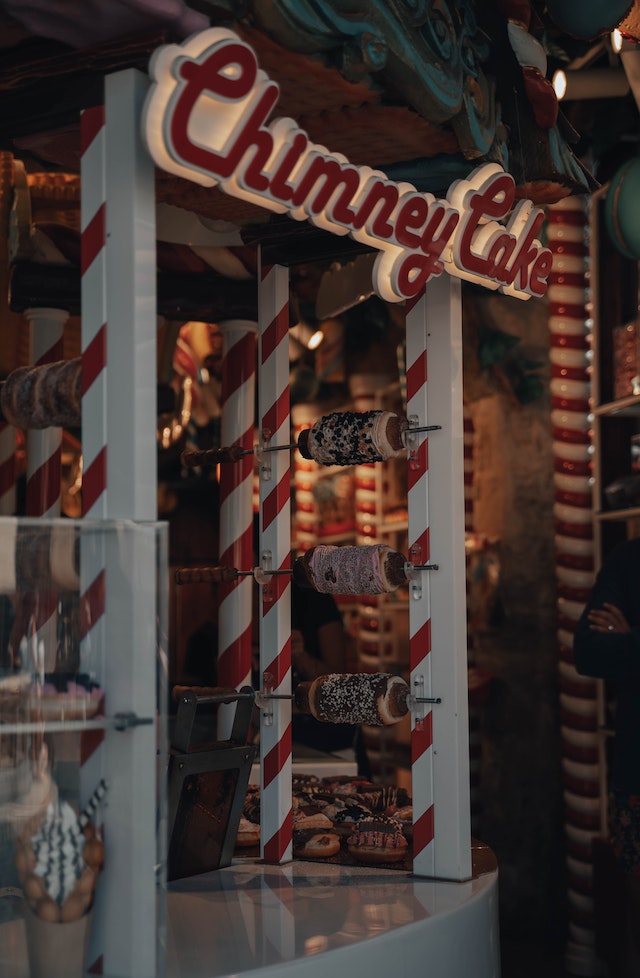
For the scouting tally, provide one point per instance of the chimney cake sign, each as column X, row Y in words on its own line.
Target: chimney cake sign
column 205, row 120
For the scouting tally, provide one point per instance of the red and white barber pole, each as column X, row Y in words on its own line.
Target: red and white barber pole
column 475, row 740
column 94, row 383
column 236, row 511
column 437, row 645
column 118, row 569
column 44, row 471
column 569, row 327
column 93, row 260
column 419, row 607
column 94, row 314
column 274, row 553
column 44, row 447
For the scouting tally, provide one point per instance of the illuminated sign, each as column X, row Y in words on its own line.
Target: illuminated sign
column 205, row 120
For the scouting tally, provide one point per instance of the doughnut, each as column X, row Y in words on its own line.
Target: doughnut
column 377, row 839
column 405, row 817
column 317, row 820
column 350, row 438
column 248, row 833
column 375, row 569
column 311, row 844
column 345, row 821
column 378, row 699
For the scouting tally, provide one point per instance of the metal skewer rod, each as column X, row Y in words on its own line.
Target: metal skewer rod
column 267, row 573
column 275, row 448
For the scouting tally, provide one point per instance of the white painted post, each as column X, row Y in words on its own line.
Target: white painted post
column 120, row 350
column 440, row 742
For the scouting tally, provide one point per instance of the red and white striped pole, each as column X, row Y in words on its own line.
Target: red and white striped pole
column 438, row 645
column 94, row 384
column 94, row 314
column 44, row 447
column 119, row 570
column 570, row 392
column 44, row 471
column 236, row 510
column 419, row 607
column 475, row 741
column 275, row 544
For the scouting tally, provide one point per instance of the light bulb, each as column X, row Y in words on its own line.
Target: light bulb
column 315, row 340
column 559, row 82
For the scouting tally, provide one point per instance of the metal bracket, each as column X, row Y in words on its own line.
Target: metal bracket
column 125, row 721
column 411, row 440
column 263, row 455
column 415, row 701
column 412, row 569
column 263, row 575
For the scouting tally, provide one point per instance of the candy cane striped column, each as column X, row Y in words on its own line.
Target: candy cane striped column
column 44, row 447
column 419, row 606
column 275, row 543
column 93, row 267
column 475, row 739
column 7, row 469
column 438, row 652
column 570, row 391
column 94, row 314
column 44, row 468
column 236, row 510
column 94, row 392
column 119, row 573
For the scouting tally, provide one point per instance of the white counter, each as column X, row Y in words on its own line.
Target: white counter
column 314, row 919
column 318, row 920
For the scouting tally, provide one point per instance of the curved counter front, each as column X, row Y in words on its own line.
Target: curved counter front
column 312, row 919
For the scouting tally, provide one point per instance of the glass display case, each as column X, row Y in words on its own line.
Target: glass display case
column 83, row 625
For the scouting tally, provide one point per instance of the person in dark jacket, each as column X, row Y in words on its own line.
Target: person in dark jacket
column 607, row 646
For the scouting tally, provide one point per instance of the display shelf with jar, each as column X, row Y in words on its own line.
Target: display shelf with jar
column 82, row 699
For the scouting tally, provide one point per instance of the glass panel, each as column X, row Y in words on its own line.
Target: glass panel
column 83, row 626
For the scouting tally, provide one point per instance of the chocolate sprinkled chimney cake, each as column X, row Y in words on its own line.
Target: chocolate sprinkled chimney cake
column 44, row 396
column 374, row 569
column 351, row 438
column 378, row 699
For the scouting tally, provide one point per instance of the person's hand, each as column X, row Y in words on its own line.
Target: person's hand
column 609, row 618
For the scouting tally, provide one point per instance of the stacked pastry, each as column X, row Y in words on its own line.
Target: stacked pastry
column 352, row 438
column 340, row 818
column 374, row 569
